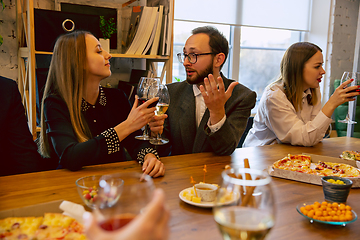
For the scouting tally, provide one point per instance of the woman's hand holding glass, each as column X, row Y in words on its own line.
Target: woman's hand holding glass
column 137, row 118
column 147, row 89
column 350, row 82
column 252, row 213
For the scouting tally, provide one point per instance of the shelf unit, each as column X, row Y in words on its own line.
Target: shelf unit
column 27, row 53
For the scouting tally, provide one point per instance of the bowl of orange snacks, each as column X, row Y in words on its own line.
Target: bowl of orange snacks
column 336, row 189
column 327, row 212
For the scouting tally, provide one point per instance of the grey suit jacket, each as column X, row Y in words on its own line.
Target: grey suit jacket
column 180, row 126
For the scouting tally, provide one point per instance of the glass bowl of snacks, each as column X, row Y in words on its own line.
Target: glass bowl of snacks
column 336, row 189
column 88, row 189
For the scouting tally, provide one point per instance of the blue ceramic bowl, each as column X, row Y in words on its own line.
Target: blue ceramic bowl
column 336, row 192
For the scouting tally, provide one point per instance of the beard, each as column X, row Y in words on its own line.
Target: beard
column 199, row 77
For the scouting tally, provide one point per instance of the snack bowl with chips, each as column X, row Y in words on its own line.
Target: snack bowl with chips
column 336, row 189
column 88, row 189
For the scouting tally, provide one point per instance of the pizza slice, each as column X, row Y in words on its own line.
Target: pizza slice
column 19, row 227
column 336, row 169
column 298, row 163
column 351, row 155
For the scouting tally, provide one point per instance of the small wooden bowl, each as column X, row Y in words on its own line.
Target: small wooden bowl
column 336, row 192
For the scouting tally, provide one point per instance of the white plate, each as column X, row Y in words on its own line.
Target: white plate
column 202, row 204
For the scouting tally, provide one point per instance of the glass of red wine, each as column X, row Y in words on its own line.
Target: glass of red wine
column 346, row 76
column 121, row 197
column 147, row 89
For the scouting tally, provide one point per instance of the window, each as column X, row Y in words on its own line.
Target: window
column 261, row 51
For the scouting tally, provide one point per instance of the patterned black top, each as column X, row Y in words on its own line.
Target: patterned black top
column 111, row 108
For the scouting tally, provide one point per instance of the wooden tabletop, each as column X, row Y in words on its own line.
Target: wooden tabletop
column 190, row 222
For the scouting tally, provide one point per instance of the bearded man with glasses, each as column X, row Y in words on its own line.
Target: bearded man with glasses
column 207, row 112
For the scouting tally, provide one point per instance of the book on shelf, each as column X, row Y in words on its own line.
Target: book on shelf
column 153, row 34
column 152, row 37
column 163, row 36
column 146, row 34
column 169, row 28
column 133, row 26
column 139, row 27
column 159, row 26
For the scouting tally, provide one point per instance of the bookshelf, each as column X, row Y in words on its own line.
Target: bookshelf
column 27, row 53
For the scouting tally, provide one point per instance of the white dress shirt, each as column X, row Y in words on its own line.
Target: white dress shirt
column 276, row 118
column 200, row 107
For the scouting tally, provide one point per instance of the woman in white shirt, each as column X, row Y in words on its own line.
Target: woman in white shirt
column 290, row 108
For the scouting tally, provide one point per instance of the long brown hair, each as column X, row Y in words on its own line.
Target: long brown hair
column 292, row 68
column 66, row 79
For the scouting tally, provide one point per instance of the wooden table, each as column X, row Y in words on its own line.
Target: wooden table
column 189, row 222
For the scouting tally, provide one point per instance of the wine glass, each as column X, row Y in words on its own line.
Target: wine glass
column 161, row 108
column 251, row 212
column 346, row 76
column 147, row 89
column 121, row 197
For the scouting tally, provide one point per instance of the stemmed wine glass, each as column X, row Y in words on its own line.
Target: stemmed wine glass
column 121, row 197
column 161, row 108
column 346, row 76
column 251, row 215
column 147, row 89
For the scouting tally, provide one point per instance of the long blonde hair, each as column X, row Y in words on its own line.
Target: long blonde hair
column 291, row 72
column 66, row 79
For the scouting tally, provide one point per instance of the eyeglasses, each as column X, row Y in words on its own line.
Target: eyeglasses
column 192, row 57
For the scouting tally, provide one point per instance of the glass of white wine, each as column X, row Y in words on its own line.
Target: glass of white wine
column 251, row 213
column 161, row 108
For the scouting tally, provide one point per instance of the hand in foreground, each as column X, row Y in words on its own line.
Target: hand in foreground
column 152, row 224
column 139, row 116
column 153, row 166
column 215, row 97
column 157, row 124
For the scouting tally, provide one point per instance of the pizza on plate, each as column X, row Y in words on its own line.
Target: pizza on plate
column 50, row 226
column 351, row 155
column 303, row 164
